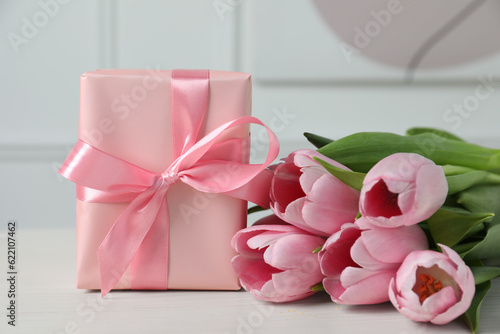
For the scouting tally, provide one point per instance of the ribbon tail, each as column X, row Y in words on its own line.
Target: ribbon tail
column 149, row 268
column 255, row 191
column 122, row 242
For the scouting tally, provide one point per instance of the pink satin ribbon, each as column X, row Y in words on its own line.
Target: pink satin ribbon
column 139, row 237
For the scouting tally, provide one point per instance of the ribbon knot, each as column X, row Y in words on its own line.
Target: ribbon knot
column 170, row 177
column 139, row 237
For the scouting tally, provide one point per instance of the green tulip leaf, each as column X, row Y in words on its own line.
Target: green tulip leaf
column 255, row 208
column 481, row 198
column 363, row 150
column 317, row 250
column 450, row 225
column 350, row 178
column 318, row 287
column 425, row 227
column 450, row 170
column 484, row 274
column 441, row 133
column 461, row 182
column 316, row 140
column 463, row 248
column 471, row 316
column 487, row 248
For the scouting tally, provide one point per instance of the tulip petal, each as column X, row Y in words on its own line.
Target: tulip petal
column 278, row 211
column 265, row 292
column 371, row 290
column 351, row 275
column 285, row 184
column 333, row 287
column 240, row 239
column 431, row 307
column 294, row 216
column 293, row 212
column 393, row 294
column 270, row 294
column 254, row 272
column 409, row 309
column 455, row 258
column 440, row 301
column 363, row 223
column 392, row 245
column 297, row 281
column 309, row 177
column 431, row 191
column 304, row 158
column 453, row 312
column 329, row 205
column 465, row 281
column 398, row 166
column 294, row 251
column 336, row 253
column 407, row 204
column 326, row 220
column 265, row 239
column 361, row 255
column 329, row 190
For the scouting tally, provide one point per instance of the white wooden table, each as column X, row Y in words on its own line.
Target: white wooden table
column 48, row 302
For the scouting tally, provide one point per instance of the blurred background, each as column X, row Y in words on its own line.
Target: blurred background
column 327, row 67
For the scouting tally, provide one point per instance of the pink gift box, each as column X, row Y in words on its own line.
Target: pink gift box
column 126, row 113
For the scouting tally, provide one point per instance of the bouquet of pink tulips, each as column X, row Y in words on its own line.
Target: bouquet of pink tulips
column 377, row 217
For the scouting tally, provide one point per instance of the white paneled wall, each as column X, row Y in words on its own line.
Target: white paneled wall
column 294, row 50
column 41, row 61
column 187, row 34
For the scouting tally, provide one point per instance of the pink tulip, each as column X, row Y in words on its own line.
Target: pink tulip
column 433, row 286
column 276, row 262
column 359, row 264
column 305, row 194
column 402, row 189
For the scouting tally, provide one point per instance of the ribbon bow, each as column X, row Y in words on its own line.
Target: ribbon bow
column 140, row 234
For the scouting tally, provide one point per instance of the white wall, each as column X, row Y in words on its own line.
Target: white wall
column 296, row 52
